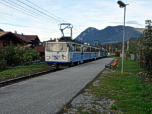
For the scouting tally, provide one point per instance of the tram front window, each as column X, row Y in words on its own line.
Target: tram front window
column 56, row 47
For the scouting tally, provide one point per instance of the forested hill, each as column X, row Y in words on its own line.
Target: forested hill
column 110, row 34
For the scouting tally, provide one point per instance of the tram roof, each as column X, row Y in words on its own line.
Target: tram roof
column 68, row 39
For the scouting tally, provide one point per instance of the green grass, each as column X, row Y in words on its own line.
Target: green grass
column 131, row 93
column 22, row 70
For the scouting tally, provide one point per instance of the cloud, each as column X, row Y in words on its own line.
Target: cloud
column 132, row 22
column 14, row 25
column 80, row 13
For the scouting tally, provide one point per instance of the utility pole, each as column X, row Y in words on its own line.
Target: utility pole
column 128, row 41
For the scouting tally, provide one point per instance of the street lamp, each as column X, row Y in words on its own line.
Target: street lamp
column 121, row 5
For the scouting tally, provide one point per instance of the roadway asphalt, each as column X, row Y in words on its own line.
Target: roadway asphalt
column 47, row 94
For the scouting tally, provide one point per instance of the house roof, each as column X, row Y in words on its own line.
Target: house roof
column 3, row 33
column 30, row 37
column 26, row 38
column 1, row 29
column 22, row 37
column 40, row 49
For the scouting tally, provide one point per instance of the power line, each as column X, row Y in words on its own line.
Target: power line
column 38, row 10
column 16, row 5
column 45, row 10
column 20, row 10
column 29, row 10
column 76, row 29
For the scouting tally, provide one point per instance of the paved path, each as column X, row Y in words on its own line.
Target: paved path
column 49, row 93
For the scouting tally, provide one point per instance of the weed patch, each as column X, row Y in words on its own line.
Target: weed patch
column 132, row 94
column 17, row 71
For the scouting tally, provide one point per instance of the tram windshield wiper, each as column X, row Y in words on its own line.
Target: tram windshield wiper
column 60, row 49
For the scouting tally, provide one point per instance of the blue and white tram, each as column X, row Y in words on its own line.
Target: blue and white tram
column 104, row 53
column 64, row 52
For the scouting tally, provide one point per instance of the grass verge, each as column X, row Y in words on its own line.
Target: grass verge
column 17, row 71
column 129, row 89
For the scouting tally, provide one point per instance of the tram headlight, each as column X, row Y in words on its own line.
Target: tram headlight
column 64, row 57
column 48, row 57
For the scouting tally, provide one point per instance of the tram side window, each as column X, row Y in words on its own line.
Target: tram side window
column 73, row 47
column 88, row 49
column 84, row 49
column 70, row 47
column 78, row 47
column 92, row 49
column 97, row 50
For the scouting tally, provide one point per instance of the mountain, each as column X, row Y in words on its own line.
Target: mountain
column 118, row 45
column 110, row 34
column 86, row 33
column 1, row 30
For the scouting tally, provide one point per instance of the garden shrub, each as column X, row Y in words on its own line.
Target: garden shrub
column 3, row 64
column 8, row 53
column 17, row 54
column 25, row 55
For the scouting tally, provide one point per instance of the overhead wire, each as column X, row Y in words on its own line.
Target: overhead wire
column 25, row 9
column 33, row 11
column 48, row 12
column 38, row 10
column 44, row 10
column 20, row 10
column 41, row 12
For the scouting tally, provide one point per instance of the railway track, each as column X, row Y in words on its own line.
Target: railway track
column 26, row 77
column 23, row 78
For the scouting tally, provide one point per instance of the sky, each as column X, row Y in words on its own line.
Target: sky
column 42, row 17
